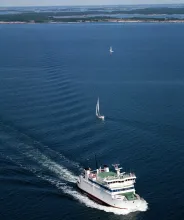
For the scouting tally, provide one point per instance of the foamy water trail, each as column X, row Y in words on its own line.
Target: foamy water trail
column 61, row 156
column 46, row 162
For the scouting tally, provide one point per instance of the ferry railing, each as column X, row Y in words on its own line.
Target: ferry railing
column 123, row 176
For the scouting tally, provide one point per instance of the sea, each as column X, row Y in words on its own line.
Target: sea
column 50, row 78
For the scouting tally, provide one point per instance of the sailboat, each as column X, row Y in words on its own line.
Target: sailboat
column 111, row 51
column 98, row 111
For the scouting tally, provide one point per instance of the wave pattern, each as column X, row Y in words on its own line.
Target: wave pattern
column 47, row 121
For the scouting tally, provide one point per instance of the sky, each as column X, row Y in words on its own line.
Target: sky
column 83, row 2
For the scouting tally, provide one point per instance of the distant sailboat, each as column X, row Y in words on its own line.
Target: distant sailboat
column 111, row 51
column 98, row 111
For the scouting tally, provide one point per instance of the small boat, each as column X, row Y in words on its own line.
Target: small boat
column 111, row 51
column 98, row 111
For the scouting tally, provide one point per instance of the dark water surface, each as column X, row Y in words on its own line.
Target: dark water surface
column 50, row 78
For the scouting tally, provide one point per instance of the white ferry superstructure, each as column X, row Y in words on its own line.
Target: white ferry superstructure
column 114, row 189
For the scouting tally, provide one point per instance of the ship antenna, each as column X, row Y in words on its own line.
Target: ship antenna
column 96, row 162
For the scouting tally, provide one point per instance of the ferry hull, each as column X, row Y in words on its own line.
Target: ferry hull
column 94, row 198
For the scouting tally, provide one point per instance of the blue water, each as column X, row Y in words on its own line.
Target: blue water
column 50, row 78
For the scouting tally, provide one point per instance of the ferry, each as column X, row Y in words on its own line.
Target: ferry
column 111, row 188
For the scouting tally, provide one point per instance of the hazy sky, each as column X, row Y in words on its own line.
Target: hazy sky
column 82, row 2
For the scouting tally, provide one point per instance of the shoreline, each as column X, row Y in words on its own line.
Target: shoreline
column 96, row 21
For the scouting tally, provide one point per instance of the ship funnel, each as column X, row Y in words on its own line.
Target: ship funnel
column 106, row 168
column 87, row 172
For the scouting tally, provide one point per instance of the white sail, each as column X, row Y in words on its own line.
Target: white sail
column 111, row 51
column 98, row 110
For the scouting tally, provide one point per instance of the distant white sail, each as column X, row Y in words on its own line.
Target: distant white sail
column 111, row 51
column 98, row 110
